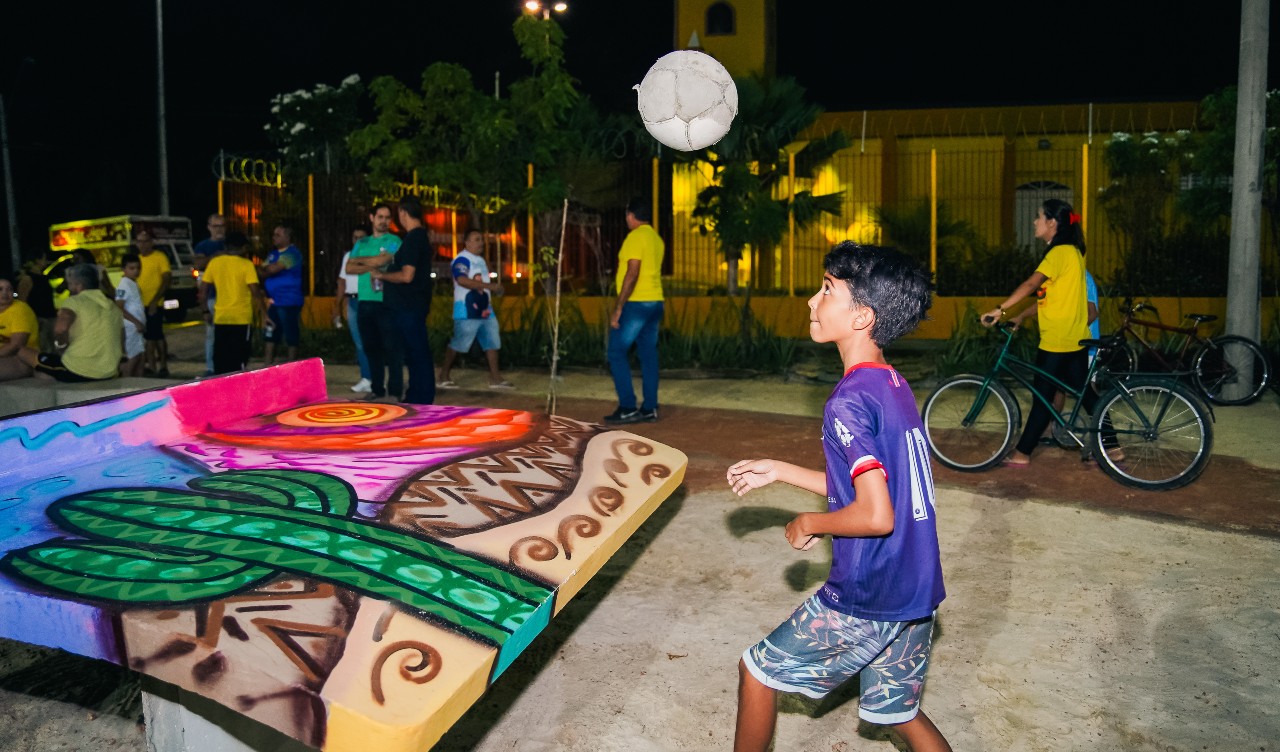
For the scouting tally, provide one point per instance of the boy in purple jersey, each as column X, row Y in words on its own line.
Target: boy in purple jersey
column 874, row 615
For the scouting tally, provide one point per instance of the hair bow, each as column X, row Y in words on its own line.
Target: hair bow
column 1073, row 218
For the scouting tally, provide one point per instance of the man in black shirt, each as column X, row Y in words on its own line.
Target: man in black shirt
column 407, row 292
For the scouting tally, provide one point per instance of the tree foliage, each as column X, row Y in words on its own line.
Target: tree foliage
column 473, row 147
column 742, row 206
column 311, row 127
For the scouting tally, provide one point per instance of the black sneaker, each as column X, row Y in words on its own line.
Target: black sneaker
column 623, row 416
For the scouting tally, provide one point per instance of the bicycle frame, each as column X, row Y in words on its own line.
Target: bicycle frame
column 1189, row 335
column 1023, row 372
column 1017, row 369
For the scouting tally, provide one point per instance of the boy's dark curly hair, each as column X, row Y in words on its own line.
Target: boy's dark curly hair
column 885, row 280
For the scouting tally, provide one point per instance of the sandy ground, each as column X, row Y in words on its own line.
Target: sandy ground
column 1066, row 626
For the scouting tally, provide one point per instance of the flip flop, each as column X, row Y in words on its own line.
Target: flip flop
column 1006, row 462
column 502, row 385
column 447, row 385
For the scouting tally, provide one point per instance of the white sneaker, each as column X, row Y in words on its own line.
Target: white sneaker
column 362, row 385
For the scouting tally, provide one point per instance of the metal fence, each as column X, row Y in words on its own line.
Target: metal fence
column 965, row 210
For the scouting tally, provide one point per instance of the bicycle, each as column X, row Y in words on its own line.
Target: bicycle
column 1147, row 431
column 1215, row 363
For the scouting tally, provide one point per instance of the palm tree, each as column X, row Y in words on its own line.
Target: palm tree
column 750, row 162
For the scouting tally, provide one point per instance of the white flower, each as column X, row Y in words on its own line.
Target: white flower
column 330, row 110
column 297, row 128
column 1120, row 137
column 1183, row 133
column 266, row 127
column 275, row 109
column 351, row 80
column 286, row 98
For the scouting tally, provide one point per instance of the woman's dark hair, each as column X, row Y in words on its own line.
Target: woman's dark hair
column 1069, row 230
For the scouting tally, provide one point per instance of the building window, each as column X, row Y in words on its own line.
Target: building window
column 720, row 20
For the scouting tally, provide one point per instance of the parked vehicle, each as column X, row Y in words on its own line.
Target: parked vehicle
column 109, row 238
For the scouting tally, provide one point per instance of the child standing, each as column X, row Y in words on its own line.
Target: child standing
column 874, row 615
column 129, row 298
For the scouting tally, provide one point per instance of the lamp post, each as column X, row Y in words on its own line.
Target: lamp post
column 160, row 116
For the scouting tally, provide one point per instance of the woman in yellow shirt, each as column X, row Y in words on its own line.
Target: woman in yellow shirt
column 18, row 329
column 1063, row 311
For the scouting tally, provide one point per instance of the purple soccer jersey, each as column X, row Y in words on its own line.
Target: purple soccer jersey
column 871, row 424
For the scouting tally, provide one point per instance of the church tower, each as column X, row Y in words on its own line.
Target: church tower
column 738, row 33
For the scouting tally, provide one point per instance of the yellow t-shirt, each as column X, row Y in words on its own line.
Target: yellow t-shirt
column 154, row 266
column 1063, row 303
column 95, row 346
column 645, row 245
column 18, row 318
column 232, row 275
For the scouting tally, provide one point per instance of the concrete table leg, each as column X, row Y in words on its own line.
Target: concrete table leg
column 182, row 721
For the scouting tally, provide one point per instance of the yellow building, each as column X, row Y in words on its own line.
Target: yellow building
column 988, row 167
column 739, row 34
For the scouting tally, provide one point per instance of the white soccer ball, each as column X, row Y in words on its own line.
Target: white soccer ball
column 687, row 100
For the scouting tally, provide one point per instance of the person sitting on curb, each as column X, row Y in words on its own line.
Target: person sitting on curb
column 87, row 332
column 18, row 329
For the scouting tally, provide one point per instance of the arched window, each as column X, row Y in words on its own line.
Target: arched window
column 720, row 20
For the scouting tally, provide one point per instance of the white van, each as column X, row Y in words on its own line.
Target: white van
column 111, row 237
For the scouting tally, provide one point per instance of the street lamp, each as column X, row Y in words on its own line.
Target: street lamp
column 544, row 8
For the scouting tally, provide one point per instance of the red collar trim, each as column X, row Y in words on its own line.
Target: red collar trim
column 856, row 366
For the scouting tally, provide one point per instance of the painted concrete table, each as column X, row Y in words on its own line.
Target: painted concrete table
column 353, row 574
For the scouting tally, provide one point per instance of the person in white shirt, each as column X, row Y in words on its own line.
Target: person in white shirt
column 129, row 299
column 346, row 302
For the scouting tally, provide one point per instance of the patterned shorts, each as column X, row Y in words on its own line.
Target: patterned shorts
column 817, row 649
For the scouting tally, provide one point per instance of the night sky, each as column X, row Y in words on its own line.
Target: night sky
column 82, row 107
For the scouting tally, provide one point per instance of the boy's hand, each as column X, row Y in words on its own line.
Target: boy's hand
column 748, row 474
column 798, row 534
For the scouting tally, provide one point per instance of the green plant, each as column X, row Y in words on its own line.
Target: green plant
column 972, row 347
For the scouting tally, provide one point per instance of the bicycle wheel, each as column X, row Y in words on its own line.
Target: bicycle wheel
column 1232, row 370
column 970, row 427
column 1119, row 359
column 1152, row 434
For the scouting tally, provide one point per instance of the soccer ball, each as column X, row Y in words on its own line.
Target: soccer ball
column 687, row 100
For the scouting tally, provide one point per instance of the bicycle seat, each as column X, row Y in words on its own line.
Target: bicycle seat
column 1200, row 318
column 1104, row 343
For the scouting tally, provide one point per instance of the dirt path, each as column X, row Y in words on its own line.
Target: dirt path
column 1094, row 617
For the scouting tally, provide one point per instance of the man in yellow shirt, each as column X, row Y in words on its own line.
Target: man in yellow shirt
column 18, row 329
column 239, row 294
column 87, row 331
column 153, row 283
column 637, row 316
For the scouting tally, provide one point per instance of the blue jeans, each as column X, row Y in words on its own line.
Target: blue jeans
column 417, row 356
column 638, row 326
column 208, row 333
column 353, row 323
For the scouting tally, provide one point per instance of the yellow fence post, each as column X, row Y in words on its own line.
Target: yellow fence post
column 933, row 213
column 1084, row 189
column 531, row 232
column 311, row 230
column 654, row 203
column 220, row 201
column 791, row 223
